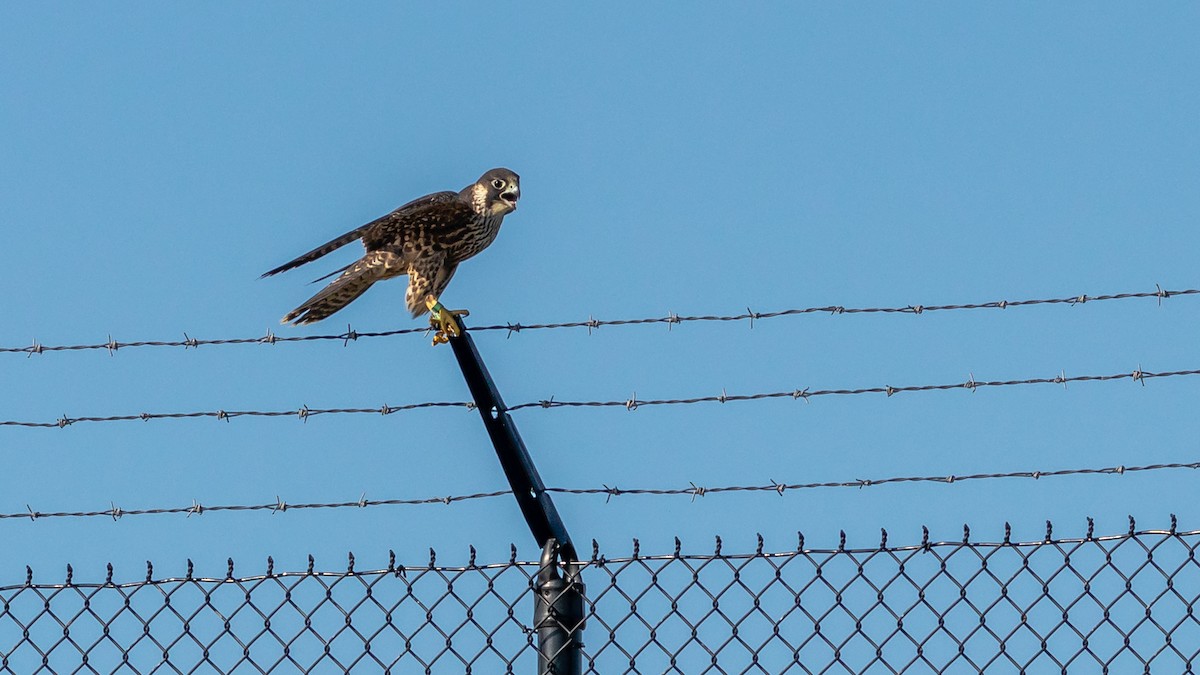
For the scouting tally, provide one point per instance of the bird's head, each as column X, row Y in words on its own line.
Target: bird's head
column 496, row 192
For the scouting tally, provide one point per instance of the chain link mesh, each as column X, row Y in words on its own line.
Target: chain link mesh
column 1115, row 604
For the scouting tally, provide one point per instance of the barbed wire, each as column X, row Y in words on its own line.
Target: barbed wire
column 278, row 506
column 972, row 384
column 631, row 404
column 693, row 491
column 303, row 413
column 351, row 335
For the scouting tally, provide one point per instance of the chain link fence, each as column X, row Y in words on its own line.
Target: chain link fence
column 1113, row 604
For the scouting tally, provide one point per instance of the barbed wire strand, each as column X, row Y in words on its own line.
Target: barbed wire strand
column 303, row 413
column 693, row 491
column 351, row 335
column 631, row 404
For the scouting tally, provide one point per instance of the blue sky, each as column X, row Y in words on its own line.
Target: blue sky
column 155, row 159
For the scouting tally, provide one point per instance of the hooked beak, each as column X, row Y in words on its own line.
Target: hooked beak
column 510, row 197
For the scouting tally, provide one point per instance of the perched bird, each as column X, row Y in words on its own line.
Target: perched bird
column 425, row 239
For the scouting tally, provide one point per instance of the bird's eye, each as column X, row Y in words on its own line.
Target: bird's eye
column 498, row 184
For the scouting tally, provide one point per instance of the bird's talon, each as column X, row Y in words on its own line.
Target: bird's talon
column 445, row 322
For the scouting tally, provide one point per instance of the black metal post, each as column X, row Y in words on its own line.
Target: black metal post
column 558, row 613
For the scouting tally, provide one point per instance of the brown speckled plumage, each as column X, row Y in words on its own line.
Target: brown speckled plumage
column 425, row 239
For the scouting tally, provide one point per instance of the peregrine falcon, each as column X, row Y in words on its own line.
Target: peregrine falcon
column 426, row 239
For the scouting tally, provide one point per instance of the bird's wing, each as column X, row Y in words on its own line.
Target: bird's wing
column 367, row 230
column 424, row 222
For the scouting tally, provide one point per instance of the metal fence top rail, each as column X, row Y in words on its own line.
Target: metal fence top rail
column 598, row 560
column 351, row 335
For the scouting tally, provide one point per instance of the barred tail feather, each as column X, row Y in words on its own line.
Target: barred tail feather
column 344, row 290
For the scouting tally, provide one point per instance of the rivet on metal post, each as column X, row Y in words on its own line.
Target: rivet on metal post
column 558, row 614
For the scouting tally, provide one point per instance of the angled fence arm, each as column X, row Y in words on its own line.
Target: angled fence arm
column 536, row 505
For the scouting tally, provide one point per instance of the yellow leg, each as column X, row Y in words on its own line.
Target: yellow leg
column 444, row 321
